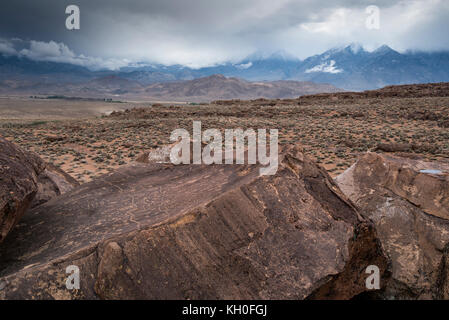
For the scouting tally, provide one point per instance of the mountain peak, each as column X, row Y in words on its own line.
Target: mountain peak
column 355, row 47
column 277, row 55
column 282, row 55
column 216, row 76
column 384, row 49
column 352, row 48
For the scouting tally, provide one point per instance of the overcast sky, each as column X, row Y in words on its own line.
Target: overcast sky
column 200, row 33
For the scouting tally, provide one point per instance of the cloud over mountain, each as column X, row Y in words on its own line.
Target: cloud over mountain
column 59, row 52
column 7, row 48
column 201, row 33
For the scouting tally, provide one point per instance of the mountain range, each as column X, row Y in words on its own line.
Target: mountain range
column 349, row 68
column 214, row 87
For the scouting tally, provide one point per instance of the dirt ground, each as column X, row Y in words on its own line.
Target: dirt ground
column 86, row 140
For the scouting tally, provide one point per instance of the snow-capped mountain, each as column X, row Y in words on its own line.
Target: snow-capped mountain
column 350, row 67
column 353, row 68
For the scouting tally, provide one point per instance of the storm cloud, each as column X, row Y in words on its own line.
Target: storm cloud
column 199, row 33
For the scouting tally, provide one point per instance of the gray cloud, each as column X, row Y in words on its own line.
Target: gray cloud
column 59, row 52
column 7, row 48
column 205, row 32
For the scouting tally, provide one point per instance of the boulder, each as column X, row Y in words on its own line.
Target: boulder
column 407, row 147
column 162, row 154
column 51, row 183
column 157, row 155
column 408, row 201
column 19, row 170
column 394, row 147
column 161, row 231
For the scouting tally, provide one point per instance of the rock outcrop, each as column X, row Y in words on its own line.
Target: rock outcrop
column 408, row 200
column 51, row 183
column 159, row 231
column 18, row 183
column 157, row 155
column 407, row 147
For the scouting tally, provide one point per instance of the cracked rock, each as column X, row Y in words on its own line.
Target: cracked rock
column 160, row 231
column 18, row 183
column 408, row 201
column 52, row 183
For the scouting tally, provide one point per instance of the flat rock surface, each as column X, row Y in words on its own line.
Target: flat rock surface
column 423, row 183
column 158, row 231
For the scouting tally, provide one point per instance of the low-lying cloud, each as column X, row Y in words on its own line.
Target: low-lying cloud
column 7, row 48
column 59, row 52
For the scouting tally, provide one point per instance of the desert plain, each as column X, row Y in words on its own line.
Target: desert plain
column 88, row 138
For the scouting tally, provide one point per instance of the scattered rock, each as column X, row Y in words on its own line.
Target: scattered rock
column 444, row 123
column 160, row 231
column 407, row 147
column 162, row 154
column 158, row 155
column 423, row 115
column 18, row 183
column 408, row 200
column 394, row 147
column 55, row 138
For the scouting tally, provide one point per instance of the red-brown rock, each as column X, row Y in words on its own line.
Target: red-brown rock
column 159, row 231
column 18, row 183
column 51, row 183
column 408, row 200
